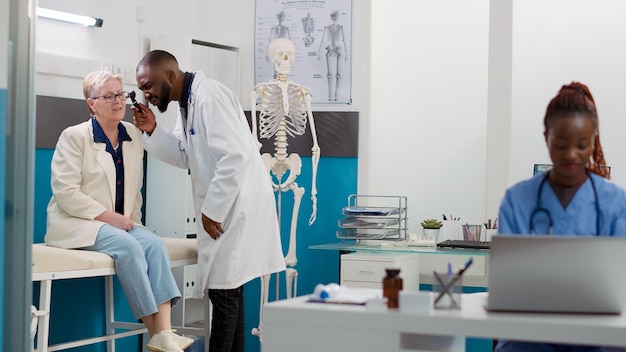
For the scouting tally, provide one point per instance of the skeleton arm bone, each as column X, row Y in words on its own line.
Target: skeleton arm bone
column 343, row 41
column 315, row 158
column 253, row 97
column 322, row 43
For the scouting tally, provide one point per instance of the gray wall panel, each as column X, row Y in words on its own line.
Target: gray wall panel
column 337, row 135
column 55, row 114
column 337, row 131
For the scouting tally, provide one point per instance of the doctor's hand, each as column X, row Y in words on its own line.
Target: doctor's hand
column 144, row 118
column 116, row 220
column 214, row 229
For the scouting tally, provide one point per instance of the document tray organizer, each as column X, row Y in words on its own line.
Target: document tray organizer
column 371, row 217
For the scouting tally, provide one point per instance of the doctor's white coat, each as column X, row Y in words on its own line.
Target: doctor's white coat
column 230, row 185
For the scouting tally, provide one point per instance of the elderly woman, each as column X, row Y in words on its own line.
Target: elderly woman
column 97, row 175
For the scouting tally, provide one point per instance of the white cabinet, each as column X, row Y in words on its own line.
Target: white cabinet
column 367, row 269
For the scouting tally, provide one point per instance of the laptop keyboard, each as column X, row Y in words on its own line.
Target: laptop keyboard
column 464, row 244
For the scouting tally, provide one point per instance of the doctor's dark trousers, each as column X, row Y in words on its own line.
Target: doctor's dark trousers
column 227, row 323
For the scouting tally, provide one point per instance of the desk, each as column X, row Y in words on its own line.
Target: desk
column 294, row 324
column 390, row 246
column 431, row 258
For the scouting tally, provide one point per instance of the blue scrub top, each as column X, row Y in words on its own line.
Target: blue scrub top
column 579, row 218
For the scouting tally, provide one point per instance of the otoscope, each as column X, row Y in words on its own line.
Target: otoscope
column 131, row 95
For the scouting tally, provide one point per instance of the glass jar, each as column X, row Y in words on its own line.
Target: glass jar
column 392, row 285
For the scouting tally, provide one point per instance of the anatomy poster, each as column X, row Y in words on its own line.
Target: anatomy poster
column 321, row 31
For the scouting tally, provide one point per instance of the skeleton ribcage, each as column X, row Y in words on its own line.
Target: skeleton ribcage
column 273, row 111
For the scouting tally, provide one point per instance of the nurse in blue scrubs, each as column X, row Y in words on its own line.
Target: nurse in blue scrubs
column 575, row 197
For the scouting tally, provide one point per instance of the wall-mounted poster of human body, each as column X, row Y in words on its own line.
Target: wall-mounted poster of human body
column 321, row 31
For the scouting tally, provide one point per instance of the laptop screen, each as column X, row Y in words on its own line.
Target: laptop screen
column 569, row 274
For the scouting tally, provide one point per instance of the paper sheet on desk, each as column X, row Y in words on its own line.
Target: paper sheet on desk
column 349, row 297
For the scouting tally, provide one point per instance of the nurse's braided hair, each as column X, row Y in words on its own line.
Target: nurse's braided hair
column 576, row 98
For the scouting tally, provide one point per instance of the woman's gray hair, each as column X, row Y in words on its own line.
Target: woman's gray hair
column 93, row 82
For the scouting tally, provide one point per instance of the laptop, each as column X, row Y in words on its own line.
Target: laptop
column 557, row 274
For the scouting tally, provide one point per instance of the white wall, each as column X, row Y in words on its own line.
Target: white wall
column 4, row 38
column 556, row 42
column 122, row 40
column 428, row 109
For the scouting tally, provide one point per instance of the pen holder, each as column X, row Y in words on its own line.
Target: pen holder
column 489, row 233
column 471, row 232
column 447, row 289
column 449, row 230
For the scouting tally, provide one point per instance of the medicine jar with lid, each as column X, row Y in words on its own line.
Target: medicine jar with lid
column 392, row 285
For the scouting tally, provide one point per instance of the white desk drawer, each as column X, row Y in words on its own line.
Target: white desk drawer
column 367, row 270
column 362, row 284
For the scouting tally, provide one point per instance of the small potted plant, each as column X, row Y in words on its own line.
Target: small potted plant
column 431, row 228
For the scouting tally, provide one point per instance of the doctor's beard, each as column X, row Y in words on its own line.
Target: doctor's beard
column 162, row 103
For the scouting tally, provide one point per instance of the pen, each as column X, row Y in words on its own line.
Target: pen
column 446, row 288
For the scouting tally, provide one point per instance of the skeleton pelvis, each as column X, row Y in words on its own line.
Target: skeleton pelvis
column 292, row 166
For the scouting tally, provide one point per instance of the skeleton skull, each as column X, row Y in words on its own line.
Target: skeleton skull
column 282, row 51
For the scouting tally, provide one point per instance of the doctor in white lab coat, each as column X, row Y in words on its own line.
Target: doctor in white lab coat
column 239, row 238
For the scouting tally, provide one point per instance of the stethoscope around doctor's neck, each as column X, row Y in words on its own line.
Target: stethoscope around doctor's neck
column 539, row 209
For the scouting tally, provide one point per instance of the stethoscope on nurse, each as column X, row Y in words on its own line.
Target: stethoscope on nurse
column 541, row 210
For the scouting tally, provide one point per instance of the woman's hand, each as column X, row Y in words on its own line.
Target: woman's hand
column 116, row 220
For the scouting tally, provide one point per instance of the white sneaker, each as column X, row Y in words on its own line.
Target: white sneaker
column 183, row 341
column 164, row 341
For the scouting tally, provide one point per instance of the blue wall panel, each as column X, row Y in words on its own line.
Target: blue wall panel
column 336, row 180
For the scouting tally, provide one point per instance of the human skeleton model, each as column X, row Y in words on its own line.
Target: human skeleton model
column 285, row 109
column 308, row 27
column 334, row 43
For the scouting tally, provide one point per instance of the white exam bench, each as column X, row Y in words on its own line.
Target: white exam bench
column 51, row 263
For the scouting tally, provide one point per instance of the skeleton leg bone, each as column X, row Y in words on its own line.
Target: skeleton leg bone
column 265, row 283
column 295, row 165
column 291, row 276
column 291, row 258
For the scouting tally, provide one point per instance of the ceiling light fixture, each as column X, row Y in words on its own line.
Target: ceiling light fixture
column 69, row 17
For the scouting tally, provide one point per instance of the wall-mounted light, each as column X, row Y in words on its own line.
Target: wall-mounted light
column 69, row 17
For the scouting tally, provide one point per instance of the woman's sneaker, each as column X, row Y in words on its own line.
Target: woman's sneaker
column 183, row 341
column 164, row 341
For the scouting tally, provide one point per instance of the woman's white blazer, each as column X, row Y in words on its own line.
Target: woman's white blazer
column 83, row 185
